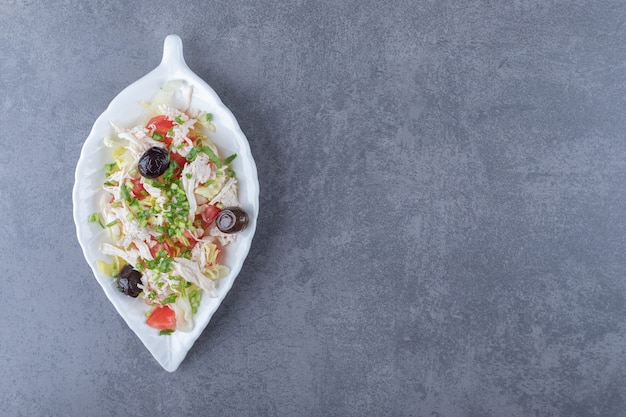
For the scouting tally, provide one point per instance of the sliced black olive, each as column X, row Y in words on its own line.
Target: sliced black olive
column 127, row 281
column 154, row 162
column 231, row 220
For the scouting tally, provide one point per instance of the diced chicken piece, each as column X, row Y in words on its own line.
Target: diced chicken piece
column 130, row 256
column 133, row 232
column 223, row 238
column 199, row 172
column 180, row 141
column 190, row 271
column 139, row 141
column 144, row 250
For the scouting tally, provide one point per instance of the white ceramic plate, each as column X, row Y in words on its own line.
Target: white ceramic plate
column 125, row 111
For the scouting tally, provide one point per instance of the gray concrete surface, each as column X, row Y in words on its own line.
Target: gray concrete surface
column 443, row 192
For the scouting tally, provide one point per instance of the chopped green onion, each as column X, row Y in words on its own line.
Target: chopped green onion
column 165, row 265
column 194, row 300
column 108, row 168
column 230, row 159
column 124, row 192
column 208, row 117
column 212, row 156
column 193, row 153
column 169, row 299
column 170, row 132
column 179, row 120
column 113, row 223
column 168, row 175
column 95, row 218
column 166, row 332
column 156, row 136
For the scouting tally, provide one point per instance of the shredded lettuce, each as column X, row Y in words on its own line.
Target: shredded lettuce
column 165, row 95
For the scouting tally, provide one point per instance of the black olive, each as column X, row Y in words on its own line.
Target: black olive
column 154, row 162
column 231, row 220
column 127, row 281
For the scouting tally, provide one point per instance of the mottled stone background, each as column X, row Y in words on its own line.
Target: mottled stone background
column 443, row 200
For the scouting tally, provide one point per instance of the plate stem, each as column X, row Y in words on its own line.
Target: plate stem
column 173, row 52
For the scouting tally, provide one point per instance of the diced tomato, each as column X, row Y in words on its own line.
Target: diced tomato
column 160, row 124
column 209, row 213
column 190, row 238
column 180, row 160
column 162, row 318
column 138, row 190
column 157, row 248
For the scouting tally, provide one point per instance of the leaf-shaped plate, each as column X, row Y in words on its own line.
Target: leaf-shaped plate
column 125, row 110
